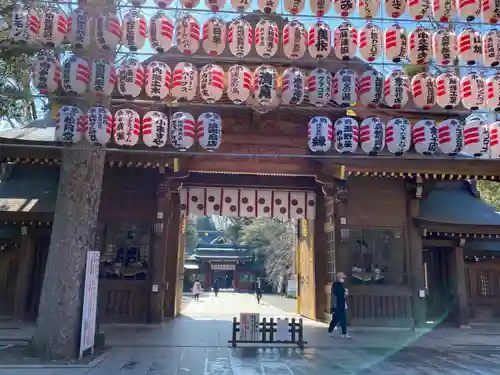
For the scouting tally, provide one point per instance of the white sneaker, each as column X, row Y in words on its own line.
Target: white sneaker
column 335, row 329
column 346, row 336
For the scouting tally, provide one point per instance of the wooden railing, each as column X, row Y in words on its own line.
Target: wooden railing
column 123, row 301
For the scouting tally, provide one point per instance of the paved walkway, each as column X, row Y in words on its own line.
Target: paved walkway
column 196, row 344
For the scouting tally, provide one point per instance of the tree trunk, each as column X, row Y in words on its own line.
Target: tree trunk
column 73, row 234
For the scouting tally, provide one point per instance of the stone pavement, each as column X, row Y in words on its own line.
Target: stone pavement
column 196, row 344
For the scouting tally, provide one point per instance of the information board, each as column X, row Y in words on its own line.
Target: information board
column 282, row 330
column 89, row 313
column 249, row 327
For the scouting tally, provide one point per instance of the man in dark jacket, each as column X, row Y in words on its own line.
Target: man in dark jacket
column 339, row 305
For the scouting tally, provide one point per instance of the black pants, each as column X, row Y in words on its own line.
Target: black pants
column 339, row 317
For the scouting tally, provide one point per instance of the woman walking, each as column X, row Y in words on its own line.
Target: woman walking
column 197, row 290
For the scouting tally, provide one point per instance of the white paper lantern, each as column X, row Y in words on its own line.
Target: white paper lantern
column 293, row 86
column 25, row 24
column 346, row 135
column 188, row 35
column 468, row 10
column 215, row 5
column 266, row 38
column 108, row 31
column 344, row 8
column 368, row 9
column 423, row 90
column 443, row 10
column 80, row 27
column 161, row 31
column 209, row 131
column 130, row 78
column 155, row 129
column 240, row 38
column 398, row 136
column 267, row 6
column 294, row 40
column 214, row 36
column 451, row 137
column 372, row 135
column 76, row 75
column 493, row 92
column 70, row 122
column 184, row 81
column 444, row 45
column 320, row 7
column 211, row 83
column 239, row 84
column 189, row 4
column 241, row 5
column 395, row 8
column 319, row 134
column 53, row 27
column 419, row 9
column 99, row 125
column 182, row 131
column 127, row 127
column 448, row 90
column 158, row 80
column 469, row 46
column 420, row 49
column 472, row 91
column 294, row 7
column 163, row 4
column 137, row 3
column 491, row 11
column 103, row 78
column 425, row 137
column 396, row 43
column 396, row 89
column 370, row 88
column 345, row 41
column 265, row 82
column 491, row 47
column 46, row 74
column 319, row 40
column 476, row 136
column 344, row 91
column 370, row 42
column 319, row 87
column 495, row 138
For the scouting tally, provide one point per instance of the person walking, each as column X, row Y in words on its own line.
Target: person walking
column 197, row 290
column 258, row 289
column 215, row 287
column 339, row 305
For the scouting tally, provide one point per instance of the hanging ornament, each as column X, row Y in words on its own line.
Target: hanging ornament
column 188, row 35
column 495, row 139
column 293, row 86
column 320, row 7
column 448, row 90
column 182, row 131
column 319, row 40
column 419, row 9
column 79, row 29
column 215, row 5
column 103, row 78
column 163, row 4
column 423, row 90
column 241, row 5
column 99, row 125
column 420, row 46
column 319, row 87
column 25, row 24
column 209, row 131
column 396, row 88
column 345, row 41
column 294, row 7
column 370, row 42
column 127, row 127
column 396, row 42
column 493, row 92
column 372, row 135
column 398, row 136
column 472, row 90
column 346, row 135
column 344, row 8
column 70, row 123
column 468, row 10
column 211, row 83
column 76, row 75
column 266, row 38
column 320, row 134
column 214, row 36
column 491, row 48
column 137, row 3
column 108, row 31
column 189, row 4
column 395, row 8
column 425, row 137
column 368, row 9
column 267, row 6
column 46, row 74
column 476, row 136
column 239, row 38
column 344, row 91
column 130, row 78
column 158, row 80
column 469, row 44
column 184, row 81
column 370, row 85
column 239, row 82
column 451, row 137
column 294, row 40
column 53, row 27
column 443, row 10
column 161, row 30
column 265, row 83
column 444, row 45
column 491, row 11
column 154, row 129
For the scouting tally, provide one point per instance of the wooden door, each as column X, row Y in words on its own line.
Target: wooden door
column 440, row 293
column 483, row 285
column 9, row 261
column 305, row 270
column 38, row 272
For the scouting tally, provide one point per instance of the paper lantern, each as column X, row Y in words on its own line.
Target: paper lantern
column 344, row 91
column 53, row 27
column 158, row 80
column 108, row 31
column 396, row 89
column 134, row 30
column 76, row 75
column 320, row 7
column 346, row 135
column 319, row 87
column 491, row 48
column 396, row 43
column 189, row 4
column 25, row 24
column 472, row 90
column 495, row 138
column 265, row 85
column 468, row 10
column 368, row 9
column 211, row 83
column 127, row 127
column 184, row 81
column 344, row 8
column 493, row 92
column 476, row 136
column 182, row 131
column 419, row 9
column 163, row 4
column 130, row 78
column 443, row 10
column 469, row 46
column 266, row 38
column 239, row 83
column 444, row 45
column 372, row 135
column 293, row 86
column 46, row 74
column 155, row 129
column 319, row 40
column 241, row 5
column 294, row 7
column 420, row 50
column 345, row 41
column 398, row 136
column 239, row 38
column 188, row 35
column 214, row 36
column 319, row 134
column 370, row 88
column 79, row 29
column 161, row 31
column 215, row 5
column 103, row 78
column 209, row 131
column 423, row 90
column 491, row 11
column 137, row 3
column 425, row 137
column 448, row 90
column 99, row 125
column 70, row 122
column 267, row 6
column 395, row 8
column 294, row 40
column 451, row 137
column 370, row 42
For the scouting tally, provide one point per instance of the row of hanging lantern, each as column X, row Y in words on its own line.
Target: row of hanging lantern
column 450, row 137
column 97, row 126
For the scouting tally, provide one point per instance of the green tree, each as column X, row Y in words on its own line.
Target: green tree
column 191, row 235
column 205, row 223
column 490, row 192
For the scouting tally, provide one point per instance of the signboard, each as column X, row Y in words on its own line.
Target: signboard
column 282, row 330
column 223, row 267
column 249, row 327
column 292, row 286
column 87, row 333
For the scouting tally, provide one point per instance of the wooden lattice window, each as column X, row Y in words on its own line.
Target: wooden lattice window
column 330, row 240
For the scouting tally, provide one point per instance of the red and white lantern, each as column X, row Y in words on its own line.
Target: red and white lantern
column 76, row 75
column 79, row 29
column 344, row 91
column 155, row 129
column 472, row 90
column 372, row 135
column 319, row 87
column 444, row 45
column 46, row 74
column 215, row 5
column 239, row 84
column 423, row 90
column 127, row 127
column 476, row 136
column 320, row 134
column 344, row 8
column 346, row 135
column 70, row 123
column 396, row 43
column 320, row 7
column 395, row 8
column 398, row 136
column 469, row 46
column 443, row 10
column 163, row 4
column 420, row 50
column 103, row 78
column 267, row 6
column 319, row 40
column 108, row 31
column 137, row 3
column 491, row 48
column 396, row 89
column 294, row 7
column 211, row 83
column 214, row 36
column 368, row 9
column 182, row 131
column 158, row 80
column 451, row 137
column 266, row 38
column 495, row 138
column 345, row 41
column 493, row 93
column 239, row 38
column 161, row 32
column 134, row 30
column 130, row 78
column 184, row 81
column 99, row 125
column 468, row 10
column 491, row 11
column 265, row 87
column 370, row 42
column 241, row 5
column 294, row 40
column 293, row 86
column 188, row 35
column 209, row 131
column 53, row 27
column 370, row 88
column 448, row 90
column 425, row 137
column 25, row 24
column 419, row 9
column 189, row 4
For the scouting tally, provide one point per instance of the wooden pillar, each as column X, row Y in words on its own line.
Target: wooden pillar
column 320, row 256
column 181, row 256
column 461, row 287
column 23, row 274
column 172, row 253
